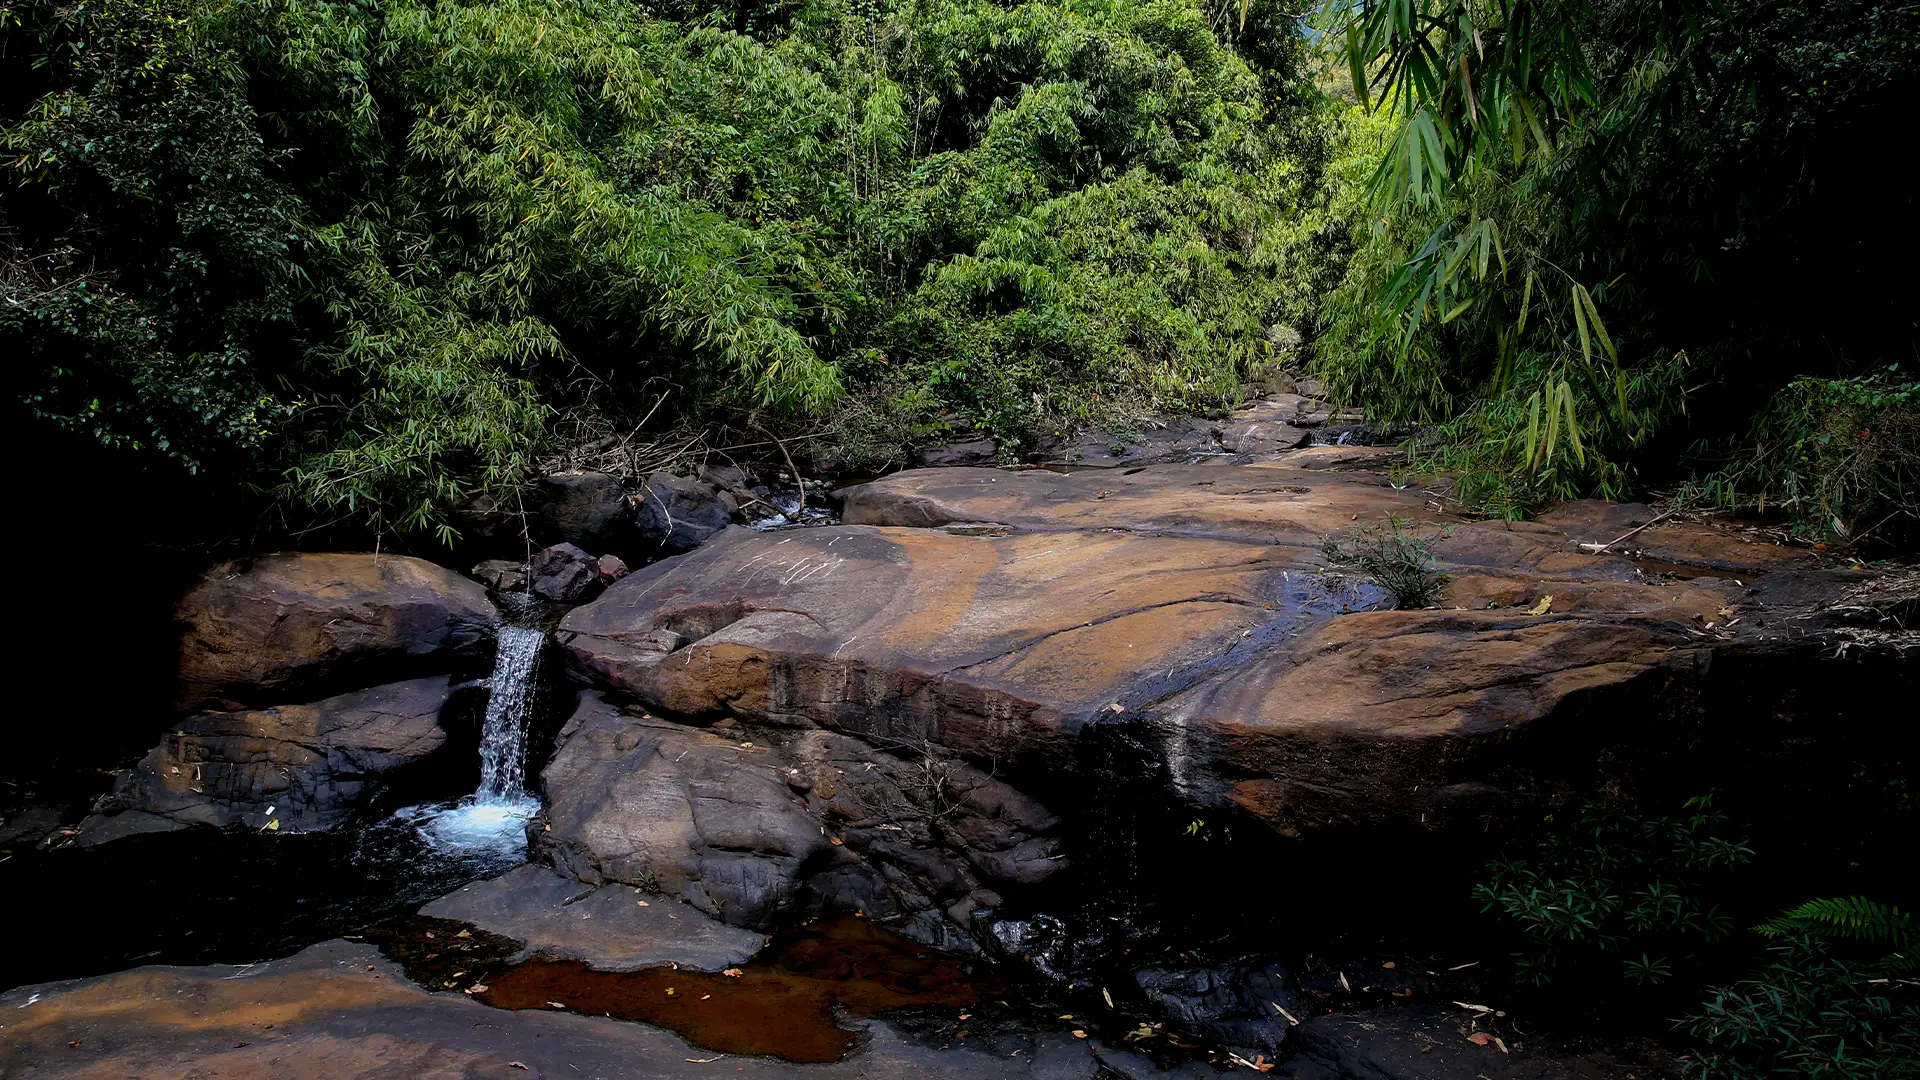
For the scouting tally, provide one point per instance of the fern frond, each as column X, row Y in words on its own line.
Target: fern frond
column 1853, row 918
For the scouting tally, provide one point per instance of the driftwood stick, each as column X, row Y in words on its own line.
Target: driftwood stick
column 1595, row 549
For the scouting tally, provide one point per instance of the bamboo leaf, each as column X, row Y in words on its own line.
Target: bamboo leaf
column 1357, row 68
column 1573, row 424
column 1533, row 427
column 1580, row 322
column 1593, row 319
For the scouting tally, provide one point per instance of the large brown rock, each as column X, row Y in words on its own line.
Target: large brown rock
column 798, row 822
column 1195, row 600
column 295, row 627
column 299, row 767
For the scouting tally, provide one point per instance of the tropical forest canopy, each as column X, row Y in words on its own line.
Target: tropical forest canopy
column 363, row 262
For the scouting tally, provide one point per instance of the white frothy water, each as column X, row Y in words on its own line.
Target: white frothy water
column 493, row 819
column 503, row 738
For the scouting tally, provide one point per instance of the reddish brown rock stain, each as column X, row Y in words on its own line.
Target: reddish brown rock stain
column 781, row 1005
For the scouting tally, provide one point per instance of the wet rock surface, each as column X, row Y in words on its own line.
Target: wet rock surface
column 295, row 627
column 292, row 767
column 338, row 1011
column 757, row 833
column 1192, row 600
column 1433, row 1043
column 611, row 927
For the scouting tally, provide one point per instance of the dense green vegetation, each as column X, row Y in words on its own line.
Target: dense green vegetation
column 1620, row 234
column 371, row 254
column 369, row 260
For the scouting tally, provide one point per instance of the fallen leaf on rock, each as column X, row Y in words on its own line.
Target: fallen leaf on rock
column 643, row 903
column 1474, row 1008
column 1388, row 965
column 1479, row 1038
column 515, row 1065
column 1283, row 1012
column 238, row 1045
column 1079, row 1033
column 732, row 973
column 76, row 1042
column 671, row 992
column 1543, row 607
column 702, row 1061
column 557, row 1005
column 1503, row 1046
column 477, row 988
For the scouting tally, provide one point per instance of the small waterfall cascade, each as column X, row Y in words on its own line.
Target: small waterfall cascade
column 490, row 824
column 503, row 736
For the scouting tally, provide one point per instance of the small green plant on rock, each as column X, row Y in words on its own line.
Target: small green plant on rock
column 1834, row 1000
column 1609, row 890
column 1392, row 558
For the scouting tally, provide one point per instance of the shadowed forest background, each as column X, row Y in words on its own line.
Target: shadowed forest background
column 354, row 266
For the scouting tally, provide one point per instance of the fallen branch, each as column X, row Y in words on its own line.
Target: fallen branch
column 1595, row 549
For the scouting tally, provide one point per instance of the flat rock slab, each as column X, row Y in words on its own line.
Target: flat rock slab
column 997, row 612
column 339, row 1011
column 612, row 928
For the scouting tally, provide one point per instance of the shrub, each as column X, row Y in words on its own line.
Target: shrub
column 1840, row 456
column 1392, row 558
column 1831, row 1002
column 1612, row 892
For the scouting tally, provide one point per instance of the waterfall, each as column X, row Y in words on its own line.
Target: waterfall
column 503, row 737
column 491, row 823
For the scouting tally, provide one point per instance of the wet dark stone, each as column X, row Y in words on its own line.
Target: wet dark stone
column 564, row 573
column 501, row 575
column 587, row 509
column 680, row 513
column 1235, row 1006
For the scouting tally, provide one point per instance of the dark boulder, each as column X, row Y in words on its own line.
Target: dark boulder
column 587, row 509
column 680, row 513
column 563, row 573
column 1237, row 1006
column 295, row 627
column 501, row 575
column 292, row 768
column 612, row 569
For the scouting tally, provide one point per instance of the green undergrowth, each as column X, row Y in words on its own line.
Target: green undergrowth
column 378, row 258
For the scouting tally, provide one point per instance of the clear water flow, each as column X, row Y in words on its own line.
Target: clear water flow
column 503, row 738
column 492, row 821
